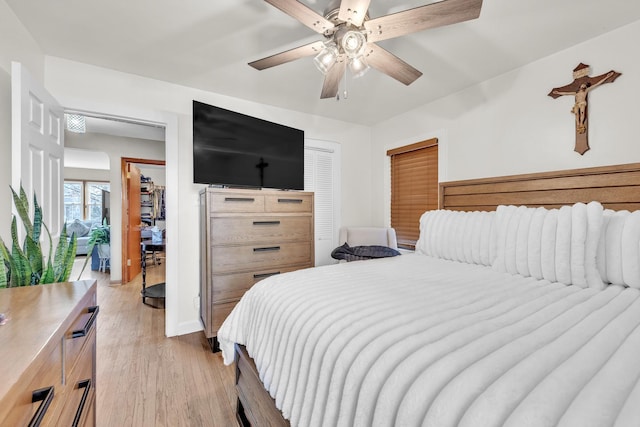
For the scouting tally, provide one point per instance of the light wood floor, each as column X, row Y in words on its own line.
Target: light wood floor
column 145, row 379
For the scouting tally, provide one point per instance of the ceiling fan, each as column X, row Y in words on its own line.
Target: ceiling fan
column 350, row 37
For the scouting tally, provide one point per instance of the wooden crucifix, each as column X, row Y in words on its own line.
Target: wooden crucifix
column 580, row 88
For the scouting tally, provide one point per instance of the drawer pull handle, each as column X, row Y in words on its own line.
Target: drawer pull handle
column 266, row 222
column 87, row 327
column 269, row 249
column 290, row 200
column 239, row 199
column 86, row 385
column 265, row 275
column 46, row 396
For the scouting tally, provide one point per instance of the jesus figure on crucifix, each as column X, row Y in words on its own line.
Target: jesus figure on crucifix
column 580, row 107
column 580, row 88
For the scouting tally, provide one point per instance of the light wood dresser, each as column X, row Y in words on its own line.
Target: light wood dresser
column 48, row 362
column 246, row 236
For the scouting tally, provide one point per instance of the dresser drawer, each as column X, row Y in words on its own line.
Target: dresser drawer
column 80, row 388
column 78, row 334
column 247, row 230
column 231, row 287
column 220, row 313
column 236, row 202
column 251, row 257
column 294, row 203
column 46, row 383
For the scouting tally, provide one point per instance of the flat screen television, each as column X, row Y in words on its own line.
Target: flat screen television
column 236, row 150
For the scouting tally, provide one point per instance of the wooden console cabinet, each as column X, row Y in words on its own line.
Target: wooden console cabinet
column 48, row 367
column 246, row 236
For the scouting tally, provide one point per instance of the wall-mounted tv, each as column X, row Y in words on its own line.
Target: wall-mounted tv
column 237, row 150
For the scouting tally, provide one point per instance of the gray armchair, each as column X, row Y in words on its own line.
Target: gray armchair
column 367, row 236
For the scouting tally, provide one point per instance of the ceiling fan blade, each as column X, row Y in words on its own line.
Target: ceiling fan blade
column 332, row 78
column 386, row 62
column 353, row 11
column 302, row 13
column 421, row 18
column 288, row 56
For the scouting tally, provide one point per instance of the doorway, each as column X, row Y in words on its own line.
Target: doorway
column 169, row 122
column 143, row 208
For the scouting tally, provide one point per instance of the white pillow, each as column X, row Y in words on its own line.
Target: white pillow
column 618, row 253
column 559, row 245
column 458, row 236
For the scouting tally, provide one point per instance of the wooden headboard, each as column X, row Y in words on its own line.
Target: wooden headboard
column 616, row 187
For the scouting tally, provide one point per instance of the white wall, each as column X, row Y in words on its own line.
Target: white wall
column 80, row 174
column 116, row 147
column 156, row 173
column 78, row 84
column 16, row 44
column 508, row 125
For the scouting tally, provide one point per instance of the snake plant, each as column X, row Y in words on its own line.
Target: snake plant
column 25, row 264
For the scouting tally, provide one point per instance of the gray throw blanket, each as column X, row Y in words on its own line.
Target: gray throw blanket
column 357, row 253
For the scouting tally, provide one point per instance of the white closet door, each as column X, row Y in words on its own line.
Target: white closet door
column 322, row 176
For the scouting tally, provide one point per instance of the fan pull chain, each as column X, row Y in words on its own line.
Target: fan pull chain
column 345, row 93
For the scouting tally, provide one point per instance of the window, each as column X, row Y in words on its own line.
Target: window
column 414, row 188
column 83, row 200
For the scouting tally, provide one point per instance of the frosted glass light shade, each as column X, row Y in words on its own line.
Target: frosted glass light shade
column 353, row 43
column 326, row 58
column 76, row 123
column 358, row 66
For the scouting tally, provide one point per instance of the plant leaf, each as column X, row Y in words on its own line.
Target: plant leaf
column 90, row 247
column 21, row 274
column 3, row 271
column 37, row 219
column 9, row 260
column 22, row 207
column 59, row 258
column 64, row 229
column 48, row 275
column 34, row 255
column 68, row 259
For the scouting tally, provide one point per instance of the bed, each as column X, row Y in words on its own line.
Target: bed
column 504, row 316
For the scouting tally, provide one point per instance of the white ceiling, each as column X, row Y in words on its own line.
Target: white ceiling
column 207, row 44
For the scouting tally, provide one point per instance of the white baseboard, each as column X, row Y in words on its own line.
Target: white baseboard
column 189, row 327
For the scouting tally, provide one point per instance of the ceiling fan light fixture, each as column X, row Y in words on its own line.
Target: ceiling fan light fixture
column 358, row 66
column 353, row 43
column 326, row 58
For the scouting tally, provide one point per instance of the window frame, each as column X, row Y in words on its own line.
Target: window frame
column 85, row 197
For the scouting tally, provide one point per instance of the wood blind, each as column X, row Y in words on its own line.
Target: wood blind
column 414, row 188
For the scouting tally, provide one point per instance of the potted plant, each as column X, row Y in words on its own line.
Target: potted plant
column 25, row 264
column 100, row 240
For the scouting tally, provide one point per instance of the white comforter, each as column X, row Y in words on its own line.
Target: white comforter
column 415, row 340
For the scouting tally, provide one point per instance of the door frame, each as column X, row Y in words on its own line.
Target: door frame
column 169, row 121
column 124, row 167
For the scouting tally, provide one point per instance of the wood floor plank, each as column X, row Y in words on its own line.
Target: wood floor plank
column 146, row 379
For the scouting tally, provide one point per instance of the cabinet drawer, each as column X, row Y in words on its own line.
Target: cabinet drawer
column 48, row 376
column 231, row 287
column 246, row 230
column 293, row 203
column 220, row 313
column 251, row 257
column 80, row 386
column 236, row 202
column 83, row 326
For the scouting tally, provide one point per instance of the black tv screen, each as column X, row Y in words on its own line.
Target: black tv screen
column 237, row 150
